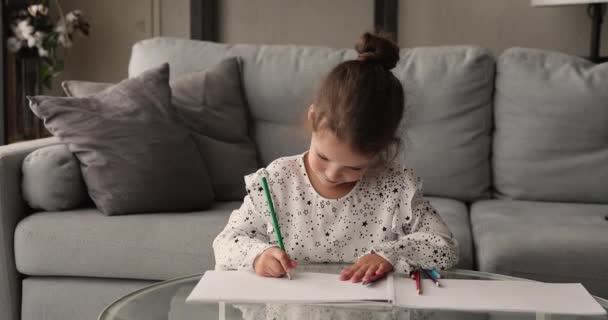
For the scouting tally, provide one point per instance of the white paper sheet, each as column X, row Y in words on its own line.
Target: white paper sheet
column 305, row 287
column 497, row 295
column 463, row 295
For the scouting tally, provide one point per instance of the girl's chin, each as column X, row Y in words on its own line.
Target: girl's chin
column 326, row 182
column 330, row 183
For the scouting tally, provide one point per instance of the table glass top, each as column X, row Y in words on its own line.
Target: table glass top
column 166, row 301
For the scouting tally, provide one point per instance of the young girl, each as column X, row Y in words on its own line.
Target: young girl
column 343, row 200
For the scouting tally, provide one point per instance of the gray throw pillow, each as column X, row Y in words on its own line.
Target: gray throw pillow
column 52, row 180
column 211, row 104
column 135, row 155
column 550, row 137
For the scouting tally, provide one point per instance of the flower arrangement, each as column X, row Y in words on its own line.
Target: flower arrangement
column 36, row 35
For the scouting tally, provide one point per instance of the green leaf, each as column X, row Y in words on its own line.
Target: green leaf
column 46, row 81
column 45, row 70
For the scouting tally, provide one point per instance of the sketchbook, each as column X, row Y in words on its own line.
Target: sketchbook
column 454, row 294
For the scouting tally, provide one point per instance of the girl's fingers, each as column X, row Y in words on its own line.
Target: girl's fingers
column 345, row 274
column 275, row 269
column 381, row 269
column 379, row 276
column 268, row 272
column 283, row 259
column 358, row 274
column 369, row 274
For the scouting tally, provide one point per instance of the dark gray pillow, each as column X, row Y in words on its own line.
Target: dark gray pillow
column 52, row 180
column 135, row 155
column 211, row 104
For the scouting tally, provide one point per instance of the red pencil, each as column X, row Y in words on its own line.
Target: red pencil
column 418, row 284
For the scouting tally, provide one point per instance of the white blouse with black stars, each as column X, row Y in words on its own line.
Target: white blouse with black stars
column 384, row 213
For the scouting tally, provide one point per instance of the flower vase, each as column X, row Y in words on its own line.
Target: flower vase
column 28, row 84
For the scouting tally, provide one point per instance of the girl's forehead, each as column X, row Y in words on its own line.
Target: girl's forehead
column 337, row 150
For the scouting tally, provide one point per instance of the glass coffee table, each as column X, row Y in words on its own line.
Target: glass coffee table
column 166, row 301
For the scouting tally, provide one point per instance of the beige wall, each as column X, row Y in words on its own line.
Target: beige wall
column 333, row 23
column 115, row 26
column 494, row 24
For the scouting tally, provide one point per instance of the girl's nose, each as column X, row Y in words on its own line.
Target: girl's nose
column 332, row 174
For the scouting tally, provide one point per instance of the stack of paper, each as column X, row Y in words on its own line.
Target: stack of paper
column 462, row 295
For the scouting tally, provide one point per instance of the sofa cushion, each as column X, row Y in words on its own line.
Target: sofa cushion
column 79, row 89
column 135, row 156
column 150, row 246
column 52, row 180
column 550, row 114
column 75, row 298
column 85, row 243
column 456, row 215
column 448, row 93
column 546, row 241
column 210, row 103
column 73, row 88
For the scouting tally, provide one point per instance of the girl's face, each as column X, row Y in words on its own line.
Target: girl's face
column 333, row 161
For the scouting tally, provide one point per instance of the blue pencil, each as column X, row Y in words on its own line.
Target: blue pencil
column 430, row 276
column 435, row 273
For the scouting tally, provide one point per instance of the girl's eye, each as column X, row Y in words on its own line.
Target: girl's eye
column 322, row 157
column 356, row 169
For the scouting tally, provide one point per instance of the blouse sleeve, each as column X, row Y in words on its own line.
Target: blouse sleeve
column 245, row 236
column 424, row 240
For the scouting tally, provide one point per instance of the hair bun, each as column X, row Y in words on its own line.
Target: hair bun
column 379, row 49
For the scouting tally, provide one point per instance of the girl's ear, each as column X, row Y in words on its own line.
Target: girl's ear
column 311, row 111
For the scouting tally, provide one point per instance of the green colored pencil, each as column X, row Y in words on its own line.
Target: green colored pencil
column 275, row 222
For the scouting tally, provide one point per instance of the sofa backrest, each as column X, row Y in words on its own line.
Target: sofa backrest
column 448, row 97
column 551, row 118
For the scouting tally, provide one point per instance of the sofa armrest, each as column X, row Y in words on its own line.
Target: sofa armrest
column 12, row 210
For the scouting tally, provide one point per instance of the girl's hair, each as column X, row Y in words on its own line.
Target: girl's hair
column 361, row 101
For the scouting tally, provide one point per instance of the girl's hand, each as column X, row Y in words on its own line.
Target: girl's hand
column 273, row 262
column 368, row 268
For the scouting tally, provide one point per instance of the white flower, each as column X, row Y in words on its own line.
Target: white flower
column 73, row 16
column 60, row 28
column 39, row 36
column 31, row 41
column 64, row 30
column 14, row 44
column 36, row 39
column 65, row 40
column 23, row 29
column 42, row 52
column 37, row 9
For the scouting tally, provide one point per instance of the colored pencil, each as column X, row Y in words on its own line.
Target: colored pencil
column 418, row 283
column 275, row 222
column 435, row 273
column 430, row 276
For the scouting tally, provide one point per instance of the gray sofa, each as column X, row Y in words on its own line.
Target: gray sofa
column 513, row 151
